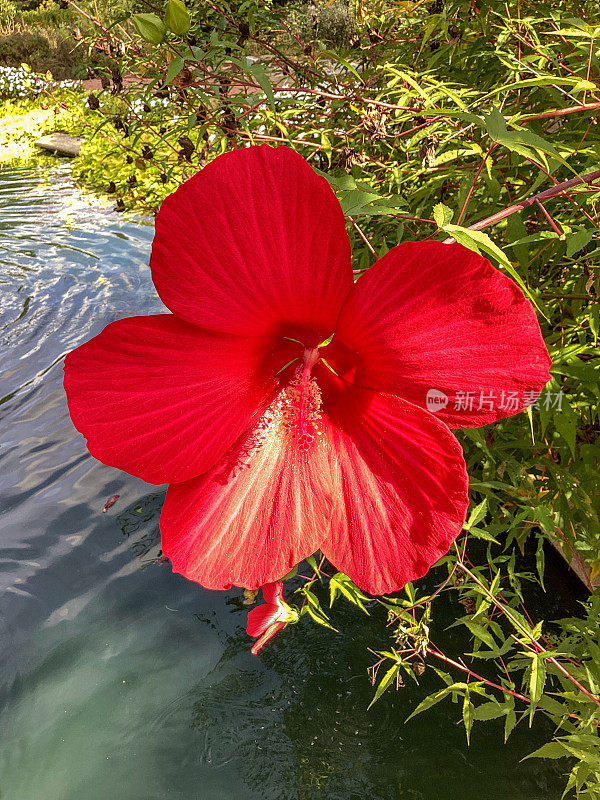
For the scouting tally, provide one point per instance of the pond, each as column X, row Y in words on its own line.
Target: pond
column 120, row 679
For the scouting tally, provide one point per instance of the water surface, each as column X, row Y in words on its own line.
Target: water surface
column 119, row 679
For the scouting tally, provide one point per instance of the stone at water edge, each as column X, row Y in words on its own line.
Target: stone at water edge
column 62, row 143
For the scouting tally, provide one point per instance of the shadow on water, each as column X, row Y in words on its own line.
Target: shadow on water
column 120, row 679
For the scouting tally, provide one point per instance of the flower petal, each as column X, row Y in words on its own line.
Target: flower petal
column 439, row 319
column 261, row 510
column 261, row 617
column 163, row 400
column 273, row 592
column 403, row 490
column 267, row 636
column 252, row 244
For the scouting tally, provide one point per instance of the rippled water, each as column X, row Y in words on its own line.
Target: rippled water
column 121, row 680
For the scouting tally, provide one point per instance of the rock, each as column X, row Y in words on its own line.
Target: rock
column 62, row 143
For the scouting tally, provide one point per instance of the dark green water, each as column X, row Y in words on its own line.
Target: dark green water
column 120, row 680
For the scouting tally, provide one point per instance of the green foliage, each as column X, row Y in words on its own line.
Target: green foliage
column 429, row 119
column 22, row 121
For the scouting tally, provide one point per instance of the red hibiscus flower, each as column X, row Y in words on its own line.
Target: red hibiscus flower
column 267, row 619
column 277, row 438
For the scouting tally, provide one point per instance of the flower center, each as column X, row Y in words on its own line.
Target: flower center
column 302, row 403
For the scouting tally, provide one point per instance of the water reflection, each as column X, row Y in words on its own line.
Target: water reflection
column 120, row 679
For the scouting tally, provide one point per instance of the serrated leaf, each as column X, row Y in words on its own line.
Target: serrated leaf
column 476, row 515
column 565, row 422
column 495, row 124
column 522, row 141
column 549, row 750
column 340, row 583
column 487, row 711
column 478, row 533
column 481, row 633
column 313, row 607
column 313, row 563
column 436, row 697
column 577, row 240
column 540, row 560
column 291, row 574
column 509, row 723
column 385, row 683
column 537, row 677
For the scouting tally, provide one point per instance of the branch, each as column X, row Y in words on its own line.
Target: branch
column 560, row 188
column 558, row 112
column 536, row 645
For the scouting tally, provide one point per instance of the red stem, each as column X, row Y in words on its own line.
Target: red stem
column 529, row 201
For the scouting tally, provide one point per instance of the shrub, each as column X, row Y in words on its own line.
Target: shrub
column 44, row 50
column 17, row 48
column 332, row 23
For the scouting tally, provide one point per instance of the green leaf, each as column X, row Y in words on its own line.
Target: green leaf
column 549, row 750
column 565, row 422
column 467, row 714
column 150, row 27
column 544, row 516
column 540, row 560
column 354, row 201
column 479, row 533
column 481, row 633
column 259, row 73
column 336, row 57
column 321, row 619
column 537, row 677
column 175, row 68
column 522, row 141
column 385, row 683
column 436, row 697
column 487, row 711
column 509, row 723
column 313, row 563
column 313, row 607
column 291, row 574
column 442, row 215
column 495, row 124
column 340, row 583
column 177, row 17
column 476, row 515
column 577, row 240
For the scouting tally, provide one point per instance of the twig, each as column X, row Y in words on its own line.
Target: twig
column 362, row 235
column 555, row 227
column 560, row 188
column 538, row 648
